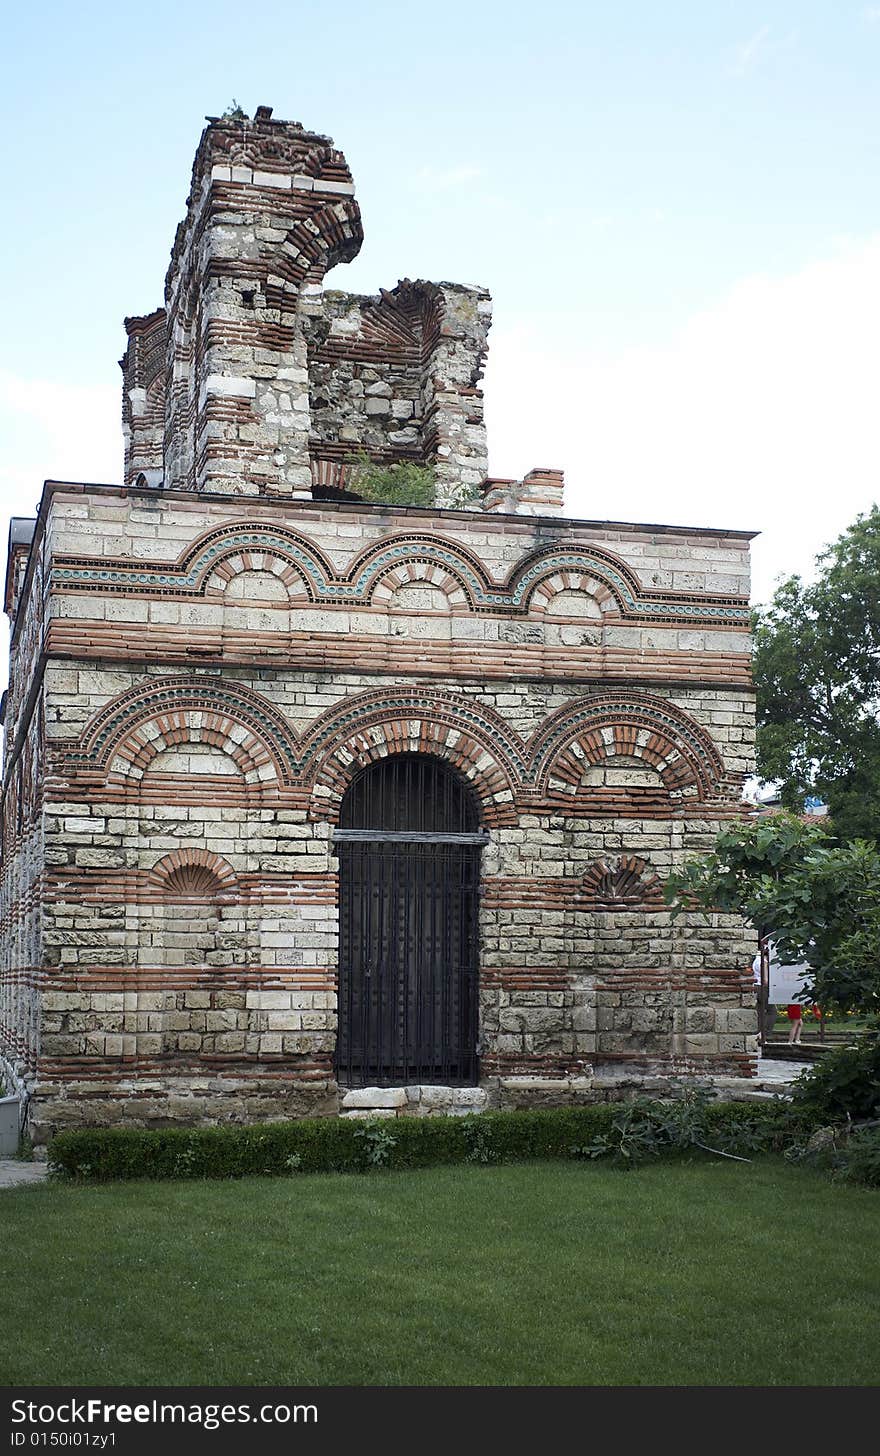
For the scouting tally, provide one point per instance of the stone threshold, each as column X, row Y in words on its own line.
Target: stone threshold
column 414, row 1101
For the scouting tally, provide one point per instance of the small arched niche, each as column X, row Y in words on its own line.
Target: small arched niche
column 623, row 771
column 420, row 609
column 574, row 606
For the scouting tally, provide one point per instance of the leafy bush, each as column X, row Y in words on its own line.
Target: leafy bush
column 819, row 899
column 691, row 1121
column 844, row 1084
column 404, row 484
column 377, row 1141
column 859, row 1160
column 850, row 1153
column 343, row 1145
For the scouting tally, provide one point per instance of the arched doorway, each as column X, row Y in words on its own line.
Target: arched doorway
column 409, row 843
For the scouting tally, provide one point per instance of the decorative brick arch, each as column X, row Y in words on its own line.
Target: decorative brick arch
column 473, row 740
column 331, row 234
column 618, row 884
column 193, row 874
column 397, row 560
column 123, row 739
column 542, row 596
column 542, row 575
column 627, row 725
column 135, row 752
column 237, row 561
column 419, row 572
column 214, row 558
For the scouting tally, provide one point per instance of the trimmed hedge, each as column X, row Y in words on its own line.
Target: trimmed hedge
column 345, row 1145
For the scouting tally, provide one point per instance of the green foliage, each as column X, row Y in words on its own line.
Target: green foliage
column 478, row 1138
column 377, row 1142
column 234, row 112
column 844, row 1084
column 631, row 1138
column 820, row 900
column 858, row 1160
column 692, row 1121
column 342, row 1145
column 25, row 1152
column 404, row 484
column 849, row 1153
column 817, row 675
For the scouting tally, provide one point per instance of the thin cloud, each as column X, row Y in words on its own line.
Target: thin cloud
column 748, row 53
column 55, row 430
column 760, row 413
column 760, row 49
column 432, row 179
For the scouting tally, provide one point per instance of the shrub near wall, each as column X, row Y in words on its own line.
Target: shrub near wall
column 343, row 1145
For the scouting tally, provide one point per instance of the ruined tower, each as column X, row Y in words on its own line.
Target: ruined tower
column 254, row 380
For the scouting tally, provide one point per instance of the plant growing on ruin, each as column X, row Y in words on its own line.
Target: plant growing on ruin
column 235, row 112
column 403, row 484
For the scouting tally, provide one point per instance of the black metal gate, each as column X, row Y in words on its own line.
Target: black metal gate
column 409, row 848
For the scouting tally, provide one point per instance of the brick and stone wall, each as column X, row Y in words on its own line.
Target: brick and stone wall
column 204, row 657
column 212, row 680
column 252, row 379
column 22, row 844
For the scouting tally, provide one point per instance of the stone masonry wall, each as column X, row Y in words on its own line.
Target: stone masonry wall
column 254, row 380
column 22, row 848
column 397, row 377
column 271, row 209
column 215, row 676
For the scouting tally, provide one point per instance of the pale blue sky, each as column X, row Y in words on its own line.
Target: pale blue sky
column 675, row 206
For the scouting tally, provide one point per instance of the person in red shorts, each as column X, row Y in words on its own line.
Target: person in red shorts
column 796, row 1018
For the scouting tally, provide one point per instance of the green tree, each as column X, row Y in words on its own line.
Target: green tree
column 819, row 899
column 817, row 675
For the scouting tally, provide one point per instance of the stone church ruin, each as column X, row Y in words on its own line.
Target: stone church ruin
column 312, row 805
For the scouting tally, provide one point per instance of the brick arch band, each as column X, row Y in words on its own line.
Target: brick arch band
column 124, row 738
column 529, row 588
column 446, row 729
column 625, row 725
column 236, row 561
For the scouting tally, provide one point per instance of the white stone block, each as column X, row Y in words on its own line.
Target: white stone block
column 343, row 189
column 272, row 179
column 229, row 386
column 374, row 1098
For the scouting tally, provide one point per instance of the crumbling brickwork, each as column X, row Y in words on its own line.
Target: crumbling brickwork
column 200, row 669
column 254, row 380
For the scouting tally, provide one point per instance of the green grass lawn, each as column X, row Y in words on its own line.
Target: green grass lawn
column 537, row 1274
column 837, row 1028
